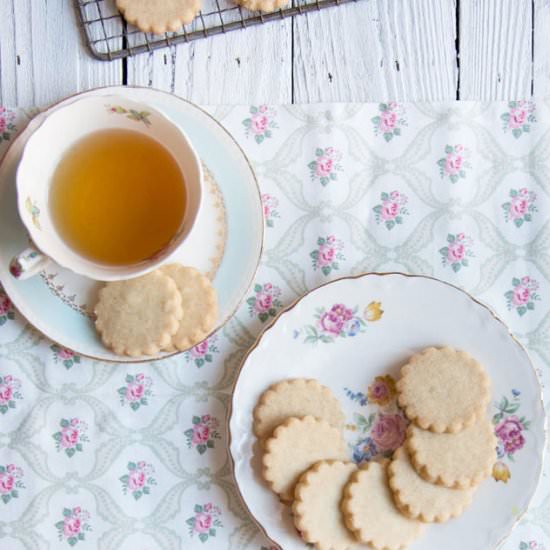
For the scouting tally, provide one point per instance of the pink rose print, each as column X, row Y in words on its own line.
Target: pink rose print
column 326, row 165
column 270, row 204
column 260, row 123
column 139, row 480
column 327, row 256
column 7, row 313
column 202, row 353
column 136, row 392
column 457, row 252
column 519, row 117
column 388, row 433
column 454, row 164
column 205, row 521
column 265, row 302
column 68, row 357
column 74, row 525
column 531, row 545
column 7, row 127
column 523, row 295
column 391, row 209
column 390, row 120
column 71, row 436
column 203, row 433
column 10, row 482
column 510, row 431
column 9, row 393
column 520, row 207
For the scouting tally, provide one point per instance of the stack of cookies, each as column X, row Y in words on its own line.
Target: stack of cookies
column 449, row 450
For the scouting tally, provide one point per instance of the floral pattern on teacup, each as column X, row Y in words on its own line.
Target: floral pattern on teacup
column 203, row 352
column 337, row 322
column 391, row 209
column 520, row 208
column 74, row 525
column 260, row 124
column 523, row 295
column 34, row 211
column 518, row 118
column 510, row 431
column 9, row 392
column 203, row 433
column 64, row 355
column 132, row 114
column 71, row 436
column 205, row 521
column 327, row 255
column 7, row 127
column 7, row 313
column 326, row 165
column 531, row 545
column 390, row 120
column 136, row 391
column 10, row 482
column 457, row 251
column 265, row 302
column 139, row 479
column 454, row 164
column 270, row 204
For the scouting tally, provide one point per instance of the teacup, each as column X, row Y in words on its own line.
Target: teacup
column 60, row 130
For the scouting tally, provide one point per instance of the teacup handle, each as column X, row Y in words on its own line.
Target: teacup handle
column 28, row 263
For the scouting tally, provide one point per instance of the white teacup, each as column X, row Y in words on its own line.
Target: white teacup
column 59, row 131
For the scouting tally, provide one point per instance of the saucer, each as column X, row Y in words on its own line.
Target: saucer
column 226, row 242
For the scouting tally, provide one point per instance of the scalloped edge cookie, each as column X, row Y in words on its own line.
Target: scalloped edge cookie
column 370, row 511
column 443, row 390
column 456, row 461
column 419, row 499
column 295, row 397
column 316, row 506
column 159, row 16
column 265, row 6
column 295, row 446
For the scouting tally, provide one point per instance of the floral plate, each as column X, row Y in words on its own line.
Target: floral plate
column 353, row 335
column 226, row 242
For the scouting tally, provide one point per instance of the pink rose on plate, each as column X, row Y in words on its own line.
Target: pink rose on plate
column 389, row 210
column 331, row 322
column 326, row 255
column 201, row 433
column 259, row 123
column 509, row 432
column 200, row 350
column 389, row 432
column 65, row 353
column 5, row 302
column 264, row 301
column 71, row 526
column 6, row 483
column 6, row 393
column 453, row 163
column 136, row 480
column 521, row 295
column 518, row 207
column 75, row 422
column 324, row 166
column 203, row 522
column 134, row 391
column 524, row 280
column 207, row 507
column 388, row 120
column 456, row 252
column 517, row 117
column 69, row 437
column 342, row 311
column 263, row 108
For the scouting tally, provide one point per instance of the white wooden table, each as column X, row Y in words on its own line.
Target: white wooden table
column 372, row 50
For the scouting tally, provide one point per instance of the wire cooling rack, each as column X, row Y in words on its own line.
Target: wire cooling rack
column 110, row 37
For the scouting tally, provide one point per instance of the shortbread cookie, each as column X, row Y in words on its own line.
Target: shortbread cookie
column 316, row 506
column 159, row 16
column 370, row 512
column 420, row 499
column 262, row 5
column 443, row 390
column 296, row 397
column 199, row 303
column 458, row 461
column 295, row 445
column 139, row 316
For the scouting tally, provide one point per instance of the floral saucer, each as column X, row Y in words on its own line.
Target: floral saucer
column 353, row 335
column 226, row 242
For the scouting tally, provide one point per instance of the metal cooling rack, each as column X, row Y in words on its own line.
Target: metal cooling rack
column 110, row 37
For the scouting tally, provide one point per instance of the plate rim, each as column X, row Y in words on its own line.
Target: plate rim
column 41, row 116
column 293, row 304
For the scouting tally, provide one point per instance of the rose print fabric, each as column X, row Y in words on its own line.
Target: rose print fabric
column 97, row 455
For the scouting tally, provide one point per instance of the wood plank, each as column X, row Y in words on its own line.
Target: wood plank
column 42, row 57
column 381, row 49
column 495, row 49
column 541, row 52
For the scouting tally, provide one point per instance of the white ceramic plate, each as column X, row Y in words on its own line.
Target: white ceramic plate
column 226, row 242
column 333, row 335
